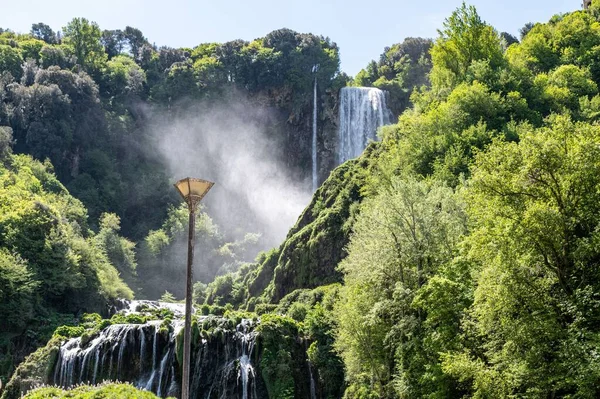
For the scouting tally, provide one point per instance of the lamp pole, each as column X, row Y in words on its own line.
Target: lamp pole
column 192, row 190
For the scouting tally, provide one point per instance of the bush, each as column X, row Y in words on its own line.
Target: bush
column 298, row 311
column 110, row 390
column 69, row 331
column 263, row 308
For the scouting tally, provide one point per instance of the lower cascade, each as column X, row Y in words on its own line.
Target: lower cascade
column 146, row 355
column 362, row 111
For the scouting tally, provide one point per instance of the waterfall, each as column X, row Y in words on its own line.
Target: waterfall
column 313, row 385
column 315, row 178
column 142, row 349
column 222, row 363
column 362, row 111
column 246, row 371
column 313, row 391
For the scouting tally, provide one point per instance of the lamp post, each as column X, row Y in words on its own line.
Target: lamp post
column 192, row 190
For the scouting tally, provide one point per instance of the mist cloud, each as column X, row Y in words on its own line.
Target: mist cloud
column 229, row 145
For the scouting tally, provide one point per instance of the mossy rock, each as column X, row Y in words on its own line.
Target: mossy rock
column 313, row 248
column 34, row 371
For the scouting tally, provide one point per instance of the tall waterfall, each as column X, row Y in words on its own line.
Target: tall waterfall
column 146, row 356
column 362, row 111
column 315, row 178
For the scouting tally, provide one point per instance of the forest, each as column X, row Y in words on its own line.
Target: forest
column 457, row 257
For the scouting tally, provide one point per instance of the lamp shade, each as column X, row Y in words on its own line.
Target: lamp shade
column 193, row 190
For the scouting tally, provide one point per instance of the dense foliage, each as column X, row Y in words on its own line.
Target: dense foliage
column 86, row 99
column 400, row 69
column 480, row 279
column 51, row 263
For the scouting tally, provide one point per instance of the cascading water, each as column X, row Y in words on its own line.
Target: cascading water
column 315, row 176
column 221, row 363
column 315, row 182
column 313, row 390
column 362, row 111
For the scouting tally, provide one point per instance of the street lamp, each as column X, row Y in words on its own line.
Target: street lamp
column 192, row 190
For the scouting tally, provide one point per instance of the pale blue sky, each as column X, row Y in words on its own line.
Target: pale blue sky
column 361, row 28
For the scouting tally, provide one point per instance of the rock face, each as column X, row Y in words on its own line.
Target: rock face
column 299, row 126
column 292, row 121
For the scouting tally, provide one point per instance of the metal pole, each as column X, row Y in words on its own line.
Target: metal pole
column 187, row 333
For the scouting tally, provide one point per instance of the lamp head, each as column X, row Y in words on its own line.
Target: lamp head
column 193, row 190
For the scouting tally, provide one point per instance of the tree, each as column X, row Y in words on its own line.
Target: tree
column 54, row 56
column 11, row 60
column 464, row 39
column 113, row 42
column 526, row 29
column 401, row 239
column 400, row 69
column 136, row 40
column 83, row 38
column 122, row 77
column 42, row 123
column 508, row 38
column 17, row 291
column 31, row 49
column 562, row 89
column 6, row 142
column 43, row 32
column 535, row 210
column 118, row 250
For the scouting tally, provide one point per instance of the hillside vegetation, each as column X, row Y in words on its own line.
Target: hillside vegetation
column 472, row 263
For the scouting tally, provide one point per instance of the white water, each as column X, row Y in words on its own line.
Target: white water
column 246, row 371
column 178, row 309
column 362, row 111
column 142, row 349
column 315, row 178
column 313, row 391
column 122, row 352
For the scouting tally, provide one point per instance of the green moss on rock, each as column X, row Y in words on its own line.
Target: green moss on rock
column 315, row 245
column 34, row 371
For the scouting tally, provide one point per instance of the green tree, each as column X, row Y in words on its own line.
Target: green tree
column 31, row 49
column 113, row 42
column 535, row 207
column 83, row 38
column 54, row 56
column 401, row 239
column 11, row 60
column 122, row 77
column 400, row 69
column 562, row 89
column 119, row 251
column 17, row 292
column 43, row 32
column 464, row 39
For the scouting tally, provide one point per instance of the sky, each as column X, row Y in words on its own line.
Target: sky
column 360, row 28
